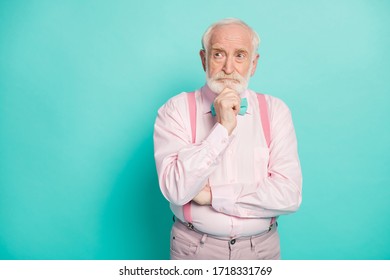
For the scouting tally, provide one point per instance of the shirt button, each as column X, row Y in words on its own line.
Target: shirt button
column 232, row 241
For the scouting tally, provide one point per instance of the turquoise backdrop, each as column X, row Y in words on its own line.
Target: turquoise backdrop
column 80, row 85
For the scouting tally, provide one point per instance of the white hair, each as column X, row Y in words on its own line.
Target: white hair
column 207, row 35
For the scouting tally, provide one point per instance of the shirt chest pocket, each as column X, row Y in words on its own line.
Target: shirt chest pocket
column 260, row 163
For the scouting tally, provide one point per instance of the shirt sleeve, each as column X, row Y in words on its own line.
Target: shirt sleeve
column 183, row 167
column 278, row 193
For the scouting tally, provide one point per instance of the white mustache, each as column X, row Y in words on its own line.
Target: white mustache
column 233, row 76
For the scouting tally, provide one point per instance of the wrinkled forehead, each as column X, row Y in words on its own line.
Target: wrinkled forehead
column 232, row 35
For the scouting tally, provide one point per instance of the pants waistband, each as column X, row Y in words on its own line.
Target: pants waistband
column 218, row 239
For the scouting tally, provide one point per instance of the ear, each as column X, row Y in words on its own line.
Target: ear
column 202, row 54
column 254, row 66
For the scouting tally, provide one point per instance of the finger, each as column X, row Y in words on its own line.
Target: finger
column 228, row 96
column 225, row 90
column 229, row 91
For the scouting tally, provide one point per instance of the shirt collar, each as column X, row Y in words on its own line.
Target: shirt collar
column 208, row 97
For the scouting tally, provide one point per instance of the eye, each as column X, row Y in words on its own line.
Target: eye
column 218, row 55
column 241, row 56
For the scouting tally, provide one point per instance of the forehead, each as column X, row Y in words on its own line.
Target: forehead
column 231, row 36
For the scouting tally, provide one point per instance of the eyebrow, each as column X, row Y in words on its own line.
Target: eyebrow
column 242, row 50
column 235, row 51
column 218, row 49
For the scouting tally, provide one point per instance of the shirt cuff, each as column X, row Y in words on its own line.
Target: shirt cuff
column 219, row 139
column 224, row 199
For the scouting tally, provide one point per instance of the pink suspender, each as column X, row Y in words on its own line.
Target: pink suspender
column 264, row 122
column 264, row 117
column 192, row 110
column 266, row 126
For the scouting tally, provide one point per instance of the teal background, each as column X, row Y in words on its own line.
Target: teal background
column 80, row 85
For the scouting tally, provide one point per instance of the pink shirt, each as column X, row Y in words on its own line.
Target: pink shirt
column 250, row 183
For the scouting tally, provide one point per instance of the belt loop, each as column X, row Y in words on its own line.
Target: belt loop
column 203, row 240
column 252, row 247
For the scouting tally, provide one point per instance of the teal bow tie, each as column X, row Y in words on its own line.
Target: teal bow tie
column 243, row 107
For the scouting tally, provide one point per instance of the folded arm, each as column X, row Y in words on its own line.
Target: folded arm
column 280, row 192
column 183, row 167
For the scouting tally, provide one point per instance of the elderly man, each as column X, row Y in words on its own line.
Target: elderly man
column 226, row 156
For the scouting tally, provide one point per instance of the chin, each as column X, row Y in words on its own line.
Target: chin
column 217, row 87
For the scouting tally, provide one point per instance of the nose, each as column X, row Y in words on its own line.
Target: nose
column 228, row 67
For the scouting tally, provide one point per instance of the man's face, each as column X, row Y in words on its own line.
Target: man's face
column 229, row 61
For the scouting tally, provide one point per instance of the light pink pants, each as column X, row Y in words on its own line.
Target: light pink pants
column 187, row 244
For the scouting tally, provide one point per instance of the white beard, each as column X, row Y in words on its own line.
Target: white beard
column 238, row 83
